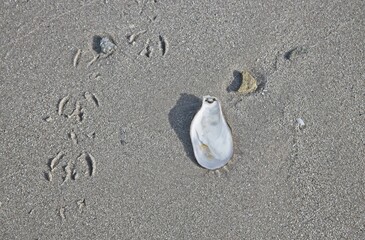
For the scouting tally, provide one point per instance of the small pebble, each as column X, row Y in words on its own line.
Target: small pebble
column 249, row 83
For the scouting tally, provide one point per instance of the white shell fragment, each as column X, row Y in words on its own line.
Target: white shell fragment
column 300, row 123
column 107, row 46
column 211, row 136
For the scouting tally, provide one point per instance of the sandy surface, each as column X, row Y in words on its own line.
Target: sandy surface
column 114, row 161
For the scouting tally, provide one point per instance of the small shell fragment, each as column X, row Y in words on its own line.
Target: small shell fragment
column 300, row 123
column 211, row 136
column 48, row 119
column 107, row 46
column 249, row 83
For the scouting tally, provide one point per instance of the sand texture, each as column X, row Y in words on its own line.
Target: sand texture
column 97, row 99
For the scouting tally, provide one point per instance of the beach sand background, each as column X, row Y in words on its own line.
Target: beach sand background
column 99, row 148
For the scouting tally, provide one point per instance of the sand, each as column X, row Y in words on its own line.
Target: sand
column 96, row 145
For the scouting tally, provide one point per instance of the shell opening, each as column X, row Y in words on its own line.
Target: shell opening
column 210, row 100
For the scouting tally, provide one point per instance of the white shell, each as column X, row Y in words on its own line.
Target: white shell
column 300, row 123
column 210, row 135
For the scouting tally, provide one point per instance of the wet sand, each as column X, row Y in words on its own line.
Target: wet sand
column 97, row 146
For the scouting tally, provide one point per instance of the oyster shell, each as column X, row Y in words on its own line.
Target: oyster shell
column 211, row 136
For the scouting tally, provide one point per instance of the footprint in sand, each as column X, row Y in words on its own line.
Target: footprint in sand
column 62, row 163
